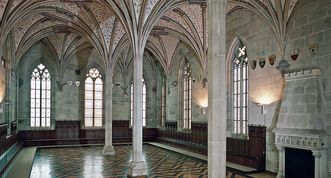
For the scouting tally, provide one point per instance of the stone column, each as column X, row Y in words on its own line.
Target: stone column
column 217, row 115
column 281, row 163
column 318, row 165
column 108, row 149
column 137, row 166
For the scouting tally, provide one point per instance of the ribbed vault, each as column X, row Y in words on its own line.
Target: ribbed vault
column 109, row 25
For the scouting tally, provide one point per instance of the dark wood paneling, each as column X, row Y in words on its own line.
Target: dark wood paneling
column 7, row 141
column 67, row 129
column 13, row 126
column 3, row 133
column 71, row 133
column 249, row 152
column 194, row 140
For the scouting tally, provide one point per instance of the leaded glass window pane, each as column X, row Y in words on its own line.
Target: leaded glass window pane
column 89, row 104
column 240, row 88
column 98, row 113
column 187, row 95
column 89, row 95
column 40, row 96
column 98, row 95
column 88, row 112
column 88, row 121
column 98, row 121
column 93, row 98
column 98, row 87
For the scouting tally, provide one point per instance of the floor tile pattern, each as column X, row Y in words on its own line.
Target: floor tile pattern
column 89, row 162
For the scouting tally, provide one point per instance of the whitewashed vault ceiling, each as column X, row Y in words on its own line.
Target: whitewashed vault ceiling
column 278, row 14
column 109, row 25
column 187, row 23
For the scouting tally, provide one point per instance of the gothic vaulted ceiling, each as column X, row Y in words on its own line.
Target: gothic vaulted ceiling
column 67, row 26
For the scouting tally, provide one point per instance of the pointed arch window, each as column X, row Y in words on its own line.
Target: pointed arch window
column 40, row 101
column 240, row 90
column 187, row 95
column 93, row 98
column 144, row 103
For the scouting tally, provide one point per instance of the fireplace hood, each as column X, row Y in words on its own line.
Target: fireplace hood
column 300, row 121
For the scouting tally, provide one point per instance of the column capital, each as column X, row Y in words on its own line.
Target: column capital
column 317, row 153
column 280, row 148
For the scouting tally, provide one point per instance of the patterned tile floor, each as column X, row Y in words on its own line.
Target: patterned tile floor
column 86, row 162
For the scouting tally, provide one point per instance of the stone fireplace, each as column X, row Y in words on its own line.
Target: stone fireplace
column 300, row 123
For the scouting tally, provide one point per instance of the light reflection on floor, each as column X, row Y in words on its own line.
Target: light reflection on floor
column 89, row 162
column 81, row 162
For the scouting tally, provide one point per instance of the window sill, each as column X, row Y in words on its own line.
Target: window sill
column 92, row 128
column 184, row 130
column 239, row 137
column 41, row 128
column 144, row 127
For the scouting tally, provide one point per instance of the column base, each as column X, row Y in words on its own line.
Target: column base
column 108, row 150
column 280, row 175
column 137, row 169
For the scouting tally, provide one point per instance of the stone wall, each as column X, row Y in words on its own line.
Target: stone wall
column 312, row 25
column 174, row 95
column 9, row 101
column 265, row 84
column 68, row 102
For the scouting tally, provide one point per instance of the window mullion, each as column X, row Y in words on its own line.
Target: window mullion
column 40, row 100
column 93, row 107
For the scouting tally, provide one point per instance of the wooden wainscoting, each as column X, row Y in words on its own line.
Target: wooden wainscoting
column 194, row 140
column 71, row 133
column 7, row 140
column 7, row 150
column 249, row 152
column 3, row 134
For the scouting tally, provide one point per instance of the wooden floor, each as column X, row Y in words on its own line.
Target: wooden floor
column 89, row 162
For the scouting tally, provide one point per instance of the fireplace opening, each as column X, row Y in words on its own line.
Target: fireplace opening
column 299, row 163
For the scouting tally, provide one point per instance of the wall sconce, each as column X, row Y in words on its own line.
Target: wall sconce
column 3, row 62
column 263, row 110
column 204, row 82
column 2, row 103
column 203, row 110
